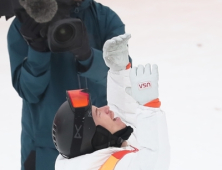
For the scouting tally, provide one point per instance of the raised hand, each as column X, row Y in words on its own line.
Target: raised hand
column 144, row 83
column 115, row 52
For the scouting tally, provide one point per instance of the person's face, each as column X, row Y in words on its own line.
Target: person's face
column 104, row 117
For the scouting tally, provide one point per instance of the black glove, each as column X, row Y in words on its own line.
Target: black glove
column 34, row 33
column 84, row 52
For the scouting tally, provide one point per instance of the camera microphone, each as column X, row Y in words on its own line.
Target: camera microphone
column 40, row 10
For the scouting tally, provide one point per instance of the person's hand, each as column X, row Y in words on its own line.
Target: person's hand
column 84, row 52
column 144, row 83
column 115, row 52
column 34, row 34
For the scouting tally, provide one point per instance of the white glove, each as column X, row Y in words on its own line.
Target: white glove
column 115, row 52
column 144, row 83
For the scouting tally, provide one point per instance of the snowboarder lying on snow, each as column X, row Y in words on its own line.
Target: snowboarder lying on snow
column 130, row 133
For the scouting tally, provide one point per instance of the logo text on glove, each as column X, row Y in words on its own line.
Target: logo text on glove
column 144, row 85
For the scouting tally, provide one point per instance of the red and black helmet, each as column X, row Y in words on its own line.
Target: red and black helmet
column 73, row 125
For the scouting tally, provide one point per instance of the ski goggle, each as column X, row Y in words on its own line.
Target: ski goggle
column 78, row 98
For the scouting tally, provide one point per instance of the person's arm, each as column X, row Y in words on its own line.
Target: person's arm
column 150, row 122
column 30, row 69
column 139, row 107
column 122, row 104
column 115, row 54
column 150, row 128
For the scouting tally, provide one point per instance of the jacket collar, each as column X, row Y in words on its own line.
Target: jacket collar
column 85, row 4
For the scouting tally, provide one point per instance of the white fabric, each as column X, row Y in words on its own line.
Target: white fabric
column 144, row 83
column 115, row 52
column 149, row 136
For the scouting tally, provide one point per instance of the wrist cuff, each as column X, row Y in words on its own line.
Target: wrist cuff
column 128, row 66
column 154, row 103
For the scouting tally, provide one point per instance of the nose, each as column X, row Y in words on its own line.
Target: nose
column 105, row 109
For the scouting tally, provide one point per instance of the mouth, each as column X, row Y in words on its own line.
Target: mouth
column 112, row 116
column 116, row 118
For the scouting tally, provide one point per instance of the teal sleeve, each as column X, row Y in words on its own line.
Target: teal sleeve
column 96, row 69
column 30, row 69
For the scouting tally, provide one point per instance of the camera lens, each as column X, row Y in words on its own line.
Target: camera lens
column 64, row 33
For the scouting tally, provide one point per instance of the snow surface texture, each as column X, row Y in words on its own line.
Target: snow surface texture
column 185, row 39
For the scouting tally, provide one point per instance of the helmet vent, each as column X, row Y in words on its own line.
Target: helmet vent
column 54, row 126
column 54, row 138
column 56, row 145
column 54, row 134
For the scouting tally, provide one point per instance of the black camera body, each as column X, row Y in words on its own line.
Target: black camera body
column 64, row 35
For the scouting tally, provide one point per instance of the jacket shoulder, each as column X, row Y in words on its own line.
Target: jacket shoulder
column 15, row 24
column 14, row 29
column 104, row 10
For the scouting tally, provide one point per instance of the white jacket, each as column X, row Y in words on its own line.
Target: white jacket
column 149, row 136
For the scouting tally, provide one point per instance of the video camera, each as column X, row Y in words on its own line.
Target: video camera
column 61, row 30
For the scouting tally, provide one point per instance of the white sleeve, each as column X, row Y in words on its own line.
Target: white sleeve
column 152, row 136
column 122, row 104
column 150, row 128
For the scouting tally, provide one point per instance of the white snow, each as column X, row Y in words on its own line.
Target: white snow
column 185, row 39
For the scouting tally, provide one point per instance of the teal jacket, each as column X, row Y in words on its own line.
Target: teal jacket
column 42, row 79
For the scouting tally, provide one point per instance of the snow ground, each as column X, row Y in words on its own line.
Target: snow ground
column 185, row 39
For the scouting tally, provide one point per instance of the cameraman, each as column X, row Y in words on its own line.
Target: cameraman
column 41, row 77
